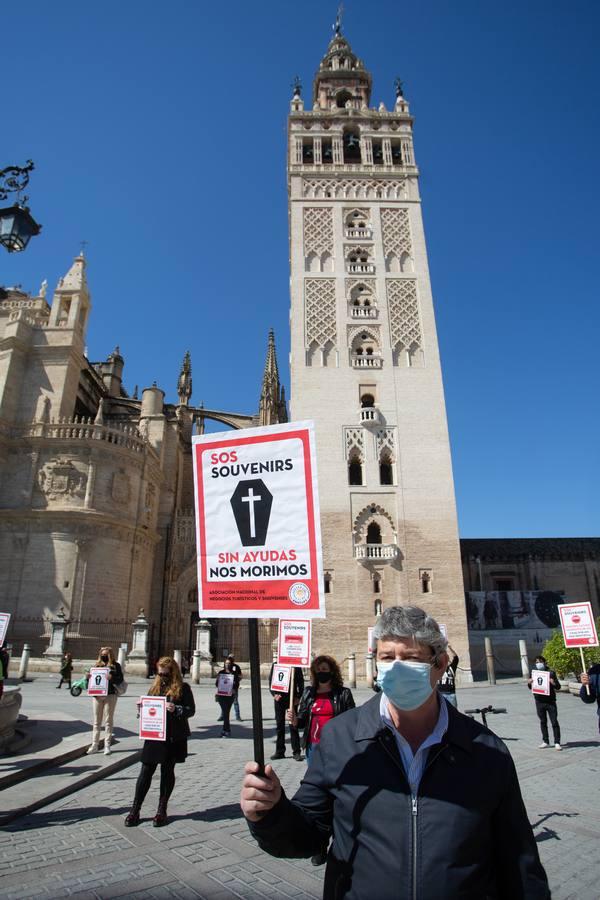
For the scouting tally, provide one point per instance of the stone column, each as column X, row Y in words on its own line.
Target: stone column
column 137, row 659
column 369, row 669
column 56, row 648
column 24, row 662
column 203, row 628
column 177, row 657
column 352, row 670
column 525, row 669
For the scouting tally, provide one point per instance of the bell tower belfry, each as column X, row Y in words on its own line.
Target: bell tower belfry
column 365, row 364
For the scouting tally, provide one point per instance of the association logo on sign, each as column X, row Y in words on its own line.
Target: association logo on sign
column 299, row 593
column 251, row 503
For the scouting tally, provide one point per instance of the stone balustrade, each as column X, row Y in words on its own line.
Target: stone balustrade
column 364, row 233
column 366, row 362
column 379, row 552
column 126, row 436
column 364, row 312
column 361, row 268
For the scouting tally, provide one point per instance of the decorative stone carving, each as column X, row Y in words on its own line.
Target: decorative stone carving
column 320, row 311
column 395, row 230
column 318, row 231
column 60, row 479
column 121, row 487
column 405, row 325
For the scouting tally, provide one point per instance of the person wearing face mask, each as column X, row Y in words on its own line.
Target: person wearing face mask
column 104, row 707
column 322, row 701
column 421, row 800
column 226, row 702
column 545, row 706
column 180, row 707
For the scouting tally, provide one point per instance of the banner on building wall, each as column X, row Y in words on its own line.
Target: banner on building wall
column 4, row 623
column 540, row 682
column 578, row 626
column 153, row 718
column 98, row 681
column 495, row 610
column 257, row 523
column 280, row 680
column 293, row 642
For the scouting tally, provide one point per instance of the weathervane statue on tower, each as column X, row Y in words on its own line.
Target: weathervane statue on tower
column 337, row 28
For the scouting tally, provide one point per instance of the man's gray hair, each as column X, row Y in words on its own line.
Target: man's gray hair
column 410, row 622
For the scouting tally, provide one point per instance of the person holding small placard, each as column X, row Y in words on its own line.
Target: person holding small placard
column 545, row 703
column 180, row 707
column 227, row 684
column 104, row 707
column 590, row 687
column 281, row 701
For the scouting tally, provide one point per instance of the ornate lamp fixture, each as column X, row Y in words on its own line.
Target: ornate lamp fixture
column 17, row 225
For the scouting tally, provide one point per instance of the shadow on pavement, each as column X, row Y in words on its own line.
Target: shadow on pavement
column 582, row 744
column 214, row 814
column 65, row 817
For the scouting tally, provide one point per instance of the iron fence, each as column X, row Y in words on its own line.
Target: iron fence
column 84, row 639
column 231, row 636
column 30, row 630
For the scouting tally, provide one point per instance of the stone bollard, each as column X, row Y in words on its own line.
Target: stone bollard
column 525, row 669
column 177, row 657
column 369, row 669
column 489, row 660
column 121, row 655
column 24, row 662
column 196, row 667
column 352, row 670
column 137, row 659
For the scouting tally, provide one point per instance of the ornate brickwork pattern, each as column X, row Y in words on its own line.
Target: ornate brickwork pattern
column 318, row 231
column 354, row 440
column 385, row 439
column 319, row 304
column 355, row 189
column 403, row 307
column 395, row 229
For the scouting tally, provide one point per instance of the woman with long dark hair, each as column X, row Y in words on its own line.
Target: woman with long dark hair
column 104, row 707
column 180, row 707
column 325, row 698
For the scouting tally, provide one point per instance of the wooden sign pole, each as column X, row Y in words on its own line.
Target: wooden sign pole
column 292, row 688
column 583, row 669
column 257, row 721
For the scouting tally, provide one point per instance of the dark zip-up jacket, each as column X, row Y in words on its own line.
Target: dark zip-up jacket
column 594, row 694
column 341, row 699
column 465, row 836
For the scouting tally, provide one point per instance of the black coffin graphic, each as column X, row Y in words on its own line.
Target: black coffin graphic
column 251, row 503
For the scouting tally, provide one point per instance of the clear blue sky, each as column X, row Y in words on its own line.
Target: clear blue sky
column 159, row 130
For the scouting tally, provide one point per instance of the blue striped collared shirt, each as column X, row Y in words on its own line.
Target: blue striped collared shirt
column 414, row 763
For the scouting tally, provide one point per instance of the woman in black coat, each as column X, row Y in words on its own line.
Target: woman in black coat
column 180, row 707
column 323, row 700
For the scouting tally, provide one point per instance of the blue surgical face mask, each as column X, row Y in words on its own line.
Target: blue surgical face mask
column 406, row 684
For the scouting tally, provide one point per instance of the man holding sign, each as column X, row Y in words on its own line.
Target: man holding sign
column 544, row 684
column 279, row 682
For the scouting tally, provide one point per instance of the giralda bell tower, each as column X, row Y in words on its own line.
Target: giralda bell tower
column 365, row 364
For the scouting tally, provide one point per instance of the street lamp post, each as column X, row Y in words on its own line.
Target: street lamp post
column 17, row 225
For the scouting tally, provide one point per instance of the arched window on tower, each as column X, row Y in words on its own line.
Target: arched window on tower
column 373, row 533
column 351, row 146
column 341, row 98
column 367, row 401
column 386, row 468
column 355, row 469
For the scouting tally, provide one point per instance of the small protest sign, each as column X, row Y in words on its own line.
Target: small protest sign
column 153, row 718
column 578, row 626
column 293, row 643
column 4, row 623
column 225, row 683
column 280, row 680
column 98, row 683
column 540, row 682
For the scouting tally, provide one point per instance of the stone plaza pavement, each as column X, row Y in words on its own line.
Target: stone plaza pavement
column 78, row 847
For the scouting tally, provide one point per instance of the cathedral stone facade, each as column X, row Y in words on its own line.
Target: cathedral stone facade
column 96, row 489
column 364, row 359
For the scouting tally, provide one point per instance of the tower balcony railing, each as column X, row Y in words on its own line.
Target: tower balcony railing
column 361, row 269
column 379, row 552
column 364, row 233
column 364, row 312
column 369, row 415
column 366, row 362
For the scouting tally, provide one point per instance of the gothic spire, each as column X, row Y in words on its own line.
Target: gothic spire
column 184, row 384
column 272, row 408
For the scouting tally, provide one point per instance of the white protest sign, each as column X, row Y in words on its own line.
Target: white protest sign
column 371, row 644
column 293, row 643
column 280, row 680
column 540, row 682
column 578, row 626
column 153, row 718
column 98, row 683
column 225, row 683
column 257, row 523
column 4, row 623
